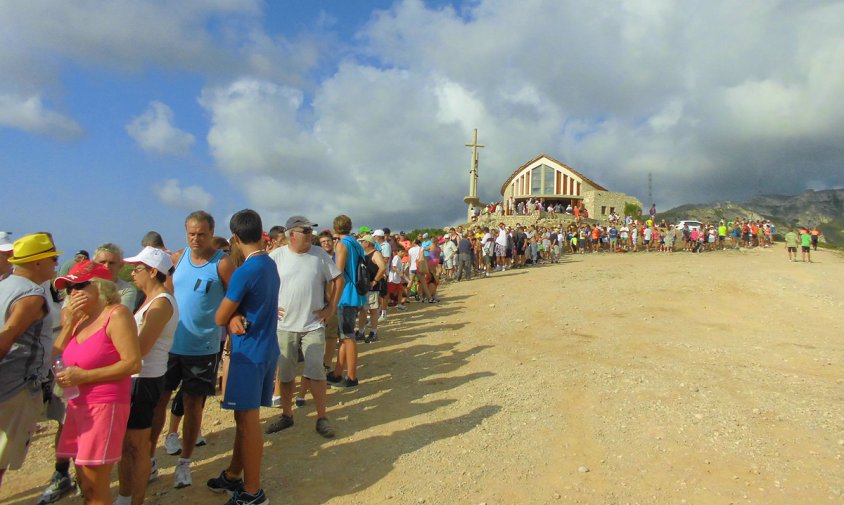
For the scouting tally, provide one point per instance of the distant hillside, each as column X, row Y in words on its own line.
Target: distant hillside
column 824, row 209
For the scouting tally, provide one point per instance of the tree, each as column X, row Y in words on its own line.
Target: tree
column 633, row 210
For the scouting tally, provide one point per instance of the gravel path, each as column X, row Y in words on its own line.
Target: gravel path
column 606, row 379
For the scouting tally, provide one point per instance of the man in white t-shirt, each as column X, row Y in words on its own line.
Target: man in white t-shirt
column 501, row 248
column 416, row 257
column 304, row 271
column 488, row 247
column 386, row 250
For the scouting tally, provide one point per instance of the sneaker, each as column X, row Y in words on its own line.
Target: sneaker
column 401, row 306
column 244, row 498
column 172, row 444
column 358, row 336
column 323, row 427
column 372, row 337
column 153, row 470
column 282, row 423
column 222, row 484
column 332, row 379
column 382, row 318
column 346, row 383
column 182, row 475
column 300, row 402
column 201, row 441
column 60, row 485
column 276, row 402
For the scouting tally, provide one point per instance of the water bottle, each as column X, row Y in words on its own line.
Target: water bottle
column 68, row 393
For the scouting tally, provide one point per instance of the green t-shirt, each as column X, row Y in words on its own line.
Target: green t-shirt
column 791, row 239
column 722, row 231
column 805, row 240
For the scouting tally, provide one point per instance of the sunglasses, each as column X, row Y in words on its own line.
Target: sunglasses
column 73, row 287
column 139, row 268
column 304, row 231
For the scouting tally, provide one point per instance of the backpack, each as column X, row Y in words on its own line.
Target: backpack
column 362, row 281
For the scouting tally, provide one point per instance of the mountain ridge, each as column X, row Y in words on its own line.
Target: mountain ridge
column 809, row 208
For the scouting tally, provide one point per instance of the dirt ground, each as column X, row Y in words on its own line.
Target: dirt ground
column 607, row 379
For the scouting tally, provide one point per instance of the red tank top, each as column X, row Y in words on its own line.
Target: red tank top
column 97, row 351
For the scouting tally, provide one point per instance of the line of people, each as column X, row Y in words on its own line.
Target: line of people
column 109, row 357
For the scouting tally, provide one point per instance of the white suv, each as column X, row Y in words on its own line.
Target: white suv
column 693, row 225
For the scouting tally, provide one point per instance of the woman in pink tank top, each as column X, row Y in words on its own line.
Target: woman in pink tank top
column 99, row 343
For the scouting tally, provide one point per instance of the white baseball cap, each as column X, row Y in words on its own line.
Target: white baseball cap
column 152, row 257
column 6, row 244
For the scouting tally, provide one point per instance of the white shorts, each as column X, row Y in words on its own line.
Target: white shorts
column 374, row 300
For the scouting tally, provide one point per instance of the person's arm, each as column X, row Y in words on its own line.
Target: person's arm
column 340, row 255
column 228, row 316
column 382, row 268
column 155, row 319
column 25, row 311
column 333, row 292
column 123, row 332
column 175, row 257
column 225, row 269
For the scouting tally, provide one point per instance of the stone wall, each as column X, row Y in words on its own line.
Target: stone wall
column 600, row 203
column 542, row 219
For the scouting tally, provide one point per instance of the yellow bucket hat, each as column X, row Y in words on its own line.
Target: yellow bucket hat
column 33, row 247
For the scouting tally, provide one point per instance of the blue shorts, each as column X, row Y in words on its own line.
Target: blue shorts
column 249, row 385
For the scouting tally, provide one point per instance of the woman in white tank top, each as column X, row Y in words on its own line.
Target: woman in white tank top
column 157, row 320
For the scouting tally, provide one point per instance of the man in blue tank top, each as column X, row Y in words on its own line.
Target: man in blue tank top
column 199, row 285
column 346, row 253
column 250, row 311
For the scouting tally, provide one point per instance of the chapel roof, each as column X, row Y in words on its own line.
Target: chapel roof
column 575, row 172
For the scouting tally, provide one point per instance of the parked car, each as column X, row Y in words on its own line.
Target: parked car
column 692, row 224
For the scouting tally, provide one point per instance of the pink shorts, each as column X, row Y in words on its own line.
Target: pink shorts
column 93, row 433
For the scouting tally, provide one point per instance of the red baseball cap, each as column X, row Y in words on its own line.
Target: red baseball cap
column 82, row 272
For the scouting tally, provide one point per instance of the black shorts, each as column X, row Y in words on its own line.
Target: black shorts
column 806, row 248
column 196, row 374
column 146, row 391
column 346, row 319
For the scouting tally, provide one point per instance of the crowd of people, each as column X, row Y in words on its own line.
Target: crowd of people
column 107, row 358
column 530, row 207
column 473, row 250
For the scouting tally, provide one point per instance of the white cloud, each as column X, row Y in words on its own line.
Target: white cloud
column 171, row 193
column 714, row 101
column 29, row 114
column 154, row 131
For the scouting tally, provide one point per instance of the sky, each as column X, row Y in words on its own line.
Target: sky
column 119, row 117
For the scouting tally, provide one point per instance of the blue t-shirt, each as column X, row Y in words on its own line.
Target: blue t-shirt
column 350, row 297
column 613, row 232
column 425, row 245
column 255, row 287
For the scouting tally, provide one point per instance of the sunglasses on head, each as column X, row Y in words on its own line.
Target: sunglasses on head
column 73, row 287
